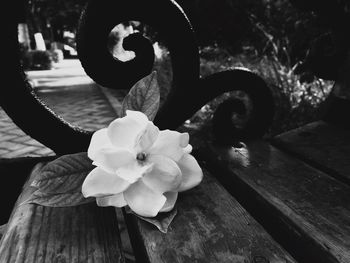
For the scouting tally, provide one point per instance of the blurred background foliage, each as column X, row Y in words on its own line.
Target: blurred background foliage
column 258, row 26
column 293, row 45
column 264, row 26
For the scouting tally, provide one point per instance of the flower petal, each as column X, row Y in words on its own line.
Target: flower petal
column 143, row 201
column 112, row 200
column 184, row 139
column 123, row 132
column 188, row 148
column 192, row 173
column 112, row 159
column 171, row 198
column 133, row 172
column 170, row 144
column 100, row 183
column 165, row 174
column 147, row 137
column 138, row 116
column 99, row 140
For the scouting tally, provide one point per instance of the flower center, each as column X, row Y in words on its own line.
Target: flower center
column 141, row 156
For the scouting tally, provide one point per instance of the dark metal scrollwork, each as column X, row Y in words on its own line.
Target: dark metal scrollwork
column 22, row 105
column 188, row 94
column 165, row 17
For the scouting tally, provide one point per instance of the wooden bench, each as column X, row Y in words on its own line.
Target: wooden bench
column 284, row 186
column 281, row 200
column 211, row 226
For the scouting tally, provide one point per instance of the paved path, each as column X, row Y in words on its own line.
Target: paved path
column 71, row 94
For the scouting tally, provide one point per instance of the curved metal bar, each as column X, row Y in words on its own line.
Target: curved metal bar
column 185, row 104
column 24, row 107
column 188, row 94
column 263, row 107
column 165, row 16
column 177, row 33
column 97, row 21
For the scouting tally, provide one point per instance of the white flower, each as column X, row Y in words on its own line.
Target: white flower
column 140, row 166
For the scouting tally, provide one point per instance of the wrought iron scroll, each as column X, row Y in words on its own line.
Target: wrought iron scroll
column 188, row 94
column 20, row 102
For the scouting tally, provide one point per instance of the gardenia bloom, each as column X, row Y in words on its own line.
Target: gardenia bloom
column 140, row 166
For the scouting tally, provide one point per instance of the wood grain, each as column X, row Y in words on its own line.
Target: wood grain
column 37, row 234
column 322, row 145
column 210, row 226
column 305, row 209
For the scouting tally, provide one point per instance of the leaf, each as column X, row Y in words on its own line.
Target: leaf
column 57, row 200
column 58, row 184
column 65, row 174
column 144, row 96
column 161, row 221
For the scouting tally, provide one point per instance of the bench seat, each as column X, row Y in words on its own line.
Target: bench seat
column 304, row 207
column 85, row 233
column 268, row 201
column 211, row 226
column 323, row 145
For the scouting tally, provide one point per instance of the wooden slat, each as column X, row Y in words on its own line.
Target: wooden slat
column 210, row 227
column 2, row 229
column 83, row 233
column 303, row 208
column 323, row 145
